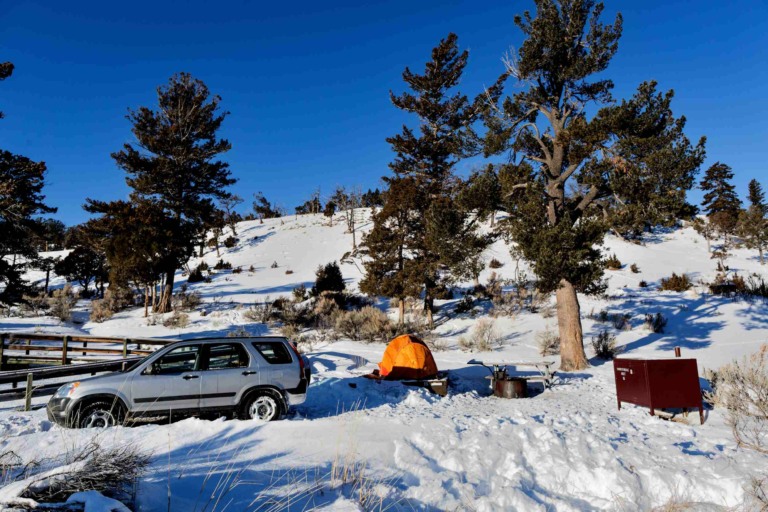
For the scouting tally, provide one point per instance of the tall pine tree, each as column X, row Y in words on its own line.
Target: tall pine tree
column 753, row 225
column 173, row 166
column 721, row 203
column 571, row 167
column 420, row 217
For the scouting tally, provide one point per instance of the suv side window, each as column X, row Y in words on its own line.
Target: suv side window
column 226, row 355
column 179, row 360
column 274, row 352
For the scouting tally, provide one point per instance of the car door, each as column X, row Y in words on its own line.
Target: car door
column 170, row 382
column 228, row 369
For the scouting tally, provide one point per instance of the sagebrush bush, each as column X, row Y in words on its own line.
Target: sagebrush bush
column 465, row 305
column 655, row 323
column 676, row 283
column 230, row 242
column 643, row 284
column 548, row 342
column 742, row 389
column 177, row 320
column 300, row 293
column 494, row 264
column 61, row 303
column 604, row 345
column 368, row 324
column 186, row 300
column 100, row 311
column 196, row 274
column 612, row 262
column 260, row 312
column 485, row 335
column 634, row 268
column 237, row 270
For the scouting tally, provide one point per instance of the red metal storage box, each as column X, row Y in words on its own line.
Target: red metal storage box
column 659, row 383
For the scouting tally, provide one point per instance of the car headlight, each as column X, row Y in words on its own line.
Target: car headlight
column 67, row 389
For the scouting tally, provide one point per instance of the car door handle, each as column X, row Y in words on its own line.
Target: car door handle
column 249, row 372
column 187, row 377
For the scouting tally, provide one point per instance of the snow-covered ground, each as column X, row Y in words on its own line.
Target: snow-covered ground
column 567, row 448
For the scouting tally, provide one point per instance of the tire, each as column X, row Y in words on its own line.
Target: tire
column 262, row 405
column 99, row 414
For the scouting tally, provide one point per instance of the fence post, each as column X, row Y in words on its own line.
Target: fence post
column 3, row 337
column 85, row 345
column 125, row 347
column 65, row 343
column 28, row 394
column 29, row 342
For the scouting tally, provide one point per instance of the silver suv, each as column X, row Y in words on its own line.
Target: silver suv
column 255, row 378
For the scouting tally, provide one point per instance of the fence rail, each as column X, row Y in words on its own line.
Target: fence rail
column 70, row 356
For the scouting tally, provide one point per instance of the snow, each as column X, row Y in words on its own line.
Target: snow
column 360, row 444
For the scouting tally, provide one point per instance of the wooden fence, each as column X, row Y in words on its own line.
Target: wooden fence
column 35, row 357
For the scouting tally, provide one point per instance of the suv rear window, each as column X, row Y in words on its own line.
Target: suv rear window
column 274, row 352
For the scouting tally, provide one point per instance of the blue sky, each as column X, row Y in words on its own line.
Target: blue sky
column 307, row 83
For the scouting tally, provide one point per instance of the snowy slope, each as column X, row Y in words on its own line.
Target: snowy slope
column 568, row 448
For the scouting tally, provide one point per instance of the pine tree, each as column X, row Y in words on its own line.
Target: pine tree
column 231, row 217
column 6, row 70
column 481, row 193
column 756, row 195
column 83, row 265
column 426, row 221
column 329, row 211
column 571, row 167
column 752, row 227
column 721, row 203
column 173, row 165
column 263, row 208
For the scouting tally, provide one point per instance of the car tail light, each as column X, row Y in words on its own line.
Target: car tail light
column 301, row 359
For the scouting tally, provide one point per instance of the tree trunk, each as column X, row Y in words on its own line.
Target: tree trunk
column 154, row 297
column 429, row 304
column 493, row 218
column 47, row 279
column 762, row 261
column 146, row 301
column 572, row 356
column 401, row 312
column 165, row 305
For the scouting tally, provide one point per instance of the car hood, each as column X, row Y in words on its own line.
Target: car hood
column 116, row 379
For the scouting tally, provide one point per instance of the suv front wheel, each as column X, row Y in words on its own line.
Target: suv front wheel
column 262, row 405
column 99, row 414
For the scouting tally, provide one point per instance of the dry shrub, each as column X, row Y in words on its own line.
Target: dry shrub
column 613, row 263
column 259, row 313
column 494, row 263
column 62, row 302
column 634, row 268
column 485, row 336
column 676, row 283
column 369, row 324
column 604, row 345
column 112, row 472
column 115, row 299
column 548, row 342
column 34, row 305
column 290, row 331
column 655, row 323
column 326, row 310
column 177, row 320
column 100, row 311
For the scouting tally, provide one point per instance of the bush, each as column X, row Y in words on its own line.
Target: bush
column 655, row 323
column 112, row 472
column 259, row 313
column 634, row 268
column 300, row 293
column 62, row 302
column 618, row 320
column 325, row 310
column 613, row 263
column 369, row 324
column 742, row 389
column 288, row 272
column 676, row 283
column 185, row 300
column 237, row 270
column 604, row 345
column 548, row 342
column 484, row 336
column 273, row 265
column 115, row 299
column 177, row 321
column 196, row 275
column 494, row 264
column 328, row 278
column 222, row 265
column 230, row 242
column 643, row 284
column 465, row 305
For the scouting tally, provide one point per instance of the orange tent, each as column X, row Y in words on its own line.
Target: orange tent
column 407, row 357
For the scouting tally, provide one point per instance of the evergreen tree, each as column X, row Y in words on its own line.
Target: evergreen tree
column 263, row 208
column 328, row 278
column 756, row 195
column 329, row 211
column 423, row 187
column 83, row 265
column 481, row 193
column 6, row 70
column 372, row 199
column 173, row 165
column 231, row 217
column 721, row 203
column 572, row 166
column 21, row 198
column 752, row 227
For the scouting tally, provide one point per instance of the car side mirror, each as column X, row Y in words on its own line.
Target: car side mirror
column 150, row 370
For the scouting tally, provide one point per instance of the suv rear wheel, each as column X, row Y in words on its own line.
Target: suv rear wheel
column 99, row 414
column 262, row 405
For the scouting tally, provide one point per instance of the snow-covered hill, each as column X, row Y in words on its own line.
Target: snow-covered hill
column 568, row 448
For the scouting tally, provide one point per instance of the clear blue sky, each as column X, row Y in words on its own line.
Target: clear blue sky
column 307, row 82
